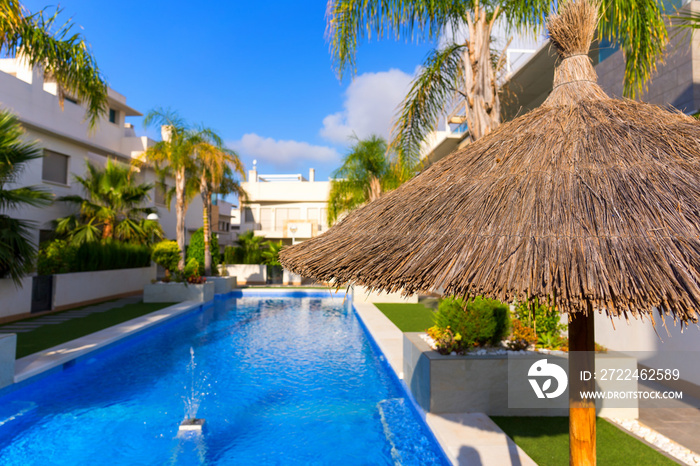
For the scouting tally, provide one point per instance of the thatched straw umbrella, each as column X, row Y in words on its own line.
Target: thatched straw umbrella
column 586, row 201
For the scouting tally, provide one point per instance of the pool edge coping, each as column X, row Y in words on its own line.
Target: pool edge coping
column 42, row 363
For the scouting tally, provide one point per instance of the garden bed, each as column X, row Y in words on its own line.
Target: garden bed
column 478, row 381
column 178, row 292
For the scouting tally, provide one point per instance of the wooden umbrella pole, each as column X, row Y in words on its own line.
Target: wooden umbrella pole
column 582, row 441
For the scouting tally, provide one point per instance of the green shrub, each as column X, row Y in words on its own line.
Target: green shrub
column 167, row 255
column 541, row 318
column 56, row 256
column 229, row 255
column 460, row 326
column 192, row 268
column 196, row 250
column 271, row 253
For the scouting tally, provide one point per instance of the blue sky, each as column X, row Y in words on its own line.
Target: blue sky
column 259, row 73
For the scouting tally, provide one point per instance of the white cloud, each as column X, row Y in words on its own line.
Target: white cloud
column 283, row 155
column 371, row 102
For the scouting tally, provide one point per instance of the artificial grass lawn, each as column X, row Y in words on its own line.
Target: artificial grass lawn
column 47, row 336
column 546, row 441
column 408, row 317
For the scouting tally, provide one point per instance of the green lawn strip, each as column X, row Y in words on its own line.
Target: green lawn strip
column 408, row 317
column 47, row 336
column 546, row 441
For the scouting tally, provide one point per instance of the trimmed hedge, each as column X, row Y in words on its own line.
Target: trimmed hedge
column 60, row 257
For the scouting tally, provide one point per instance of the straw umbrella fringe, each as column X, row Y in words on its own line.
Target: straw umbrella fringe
column 583, row 200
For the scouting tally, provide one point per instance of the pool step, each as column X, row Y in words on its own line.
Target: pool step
column 409, row 444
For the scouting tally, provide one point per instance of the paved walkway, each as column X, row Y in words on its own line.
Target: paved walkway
column 53, row 319
column 39, row 362
column 679, row 420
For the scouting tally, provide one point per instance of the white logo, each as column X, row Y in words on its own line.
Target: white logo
column 543, row 369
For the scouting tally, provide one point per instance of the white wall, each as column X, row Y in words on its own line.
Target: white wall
column 363, row 295
column 14, row 300
column 66, row 132
column 71, row 288
column 659, row 350
column 248, row 274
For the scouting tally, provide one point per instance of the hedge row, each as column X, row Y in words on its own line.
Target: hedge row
column 60, row 257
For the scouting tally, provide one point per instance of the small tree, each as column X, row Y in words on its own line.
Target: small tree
column 167, row 255
column 366, row 173
column 111, row 209
column 248, row 249
column 271, row 255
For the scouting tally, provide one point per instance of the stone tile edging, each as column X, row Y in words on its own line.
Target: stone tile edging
column 51, row 358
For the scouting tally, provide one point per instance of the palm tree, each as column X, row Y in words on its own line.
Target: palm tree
column 271, row 255
column 112, row 208
column 216, row 167
column 249, row 248
column 463, row 70
column 63, row 55
column 16, row 249
column 174, row 156
column 365, row 174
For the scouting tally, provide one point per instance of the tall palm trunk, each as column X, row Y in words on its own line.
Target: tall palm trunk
column 483, row 107
column 375, row 189
column 206, row 203
column 108, row 229
column 180, row 210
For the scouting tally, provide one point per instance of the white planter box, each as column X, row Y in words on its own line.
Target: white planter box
column 455, row 384
column 8, row 348
column 248, row 274
column 80, row 287
column 222, row 284
column 178, row 292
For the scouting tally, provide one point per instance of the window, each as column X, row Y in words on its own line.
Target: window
column 113, row 115
column 55, row 167
column 248, row 215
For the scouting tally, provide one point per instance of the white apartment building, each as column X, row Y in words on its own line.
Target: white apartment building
column 223, row 224
column 68, row 144
column 289, row 208
column 529, row 72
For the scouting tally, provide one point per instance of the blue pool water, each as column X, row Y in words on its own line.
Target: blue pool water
column 278, row 380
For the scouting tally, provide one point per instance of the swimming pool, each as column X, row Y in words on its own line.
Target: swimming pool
column 279, row 380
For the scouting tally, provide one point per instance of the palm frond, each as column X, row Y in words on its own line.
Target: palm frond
column 63, row 55
column 638, row 27
column 34, row 196
column 349, row 21
column 17, row 251
column 435, row 85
